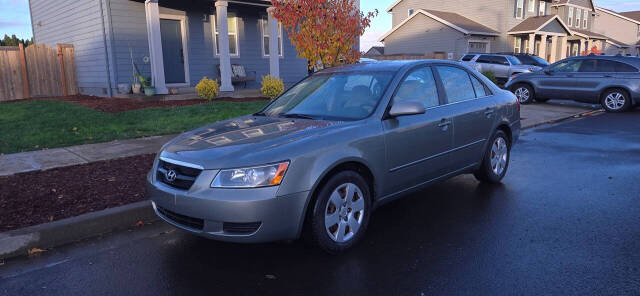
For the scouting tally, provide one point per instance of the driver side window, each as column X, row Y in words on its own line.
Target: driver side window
column 419, row 86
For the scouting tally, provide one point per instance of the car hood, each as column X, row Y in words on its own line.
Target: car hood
column 241, row 140
column 530, row 68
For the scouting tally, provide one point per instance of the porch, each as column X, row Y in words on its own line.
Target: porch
column 544, row 36
column 188, row 40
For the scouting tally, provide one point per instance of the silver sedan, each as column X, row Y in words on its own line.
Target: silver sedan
column 320, row 158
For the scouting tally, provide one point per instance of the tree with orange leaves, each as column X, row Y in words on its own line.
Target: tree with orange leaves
column 325, row 32
column 594, row 50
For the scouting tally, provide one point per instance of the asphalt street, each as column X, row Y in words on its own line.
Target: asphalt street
column 566, row 221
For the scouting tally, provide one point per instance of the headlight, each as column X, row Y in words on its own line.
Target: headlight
column 260, row 176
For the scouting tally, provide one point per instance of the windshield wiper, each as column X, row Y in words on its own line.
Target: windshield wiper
column 259, row 114
column 296, row 115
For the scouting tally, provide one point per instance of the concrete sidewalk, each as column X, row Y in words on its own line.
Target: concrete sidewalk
column 533, row 115
column 67, row 156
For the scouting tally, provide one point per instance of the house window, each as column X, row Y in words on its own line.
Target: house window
column 532, row 6
column 266, row 37
column 578, row 14
column 570, row 20
column 411, row 11
column 585, row 19
column 526, row 46
column 516, row 47
column 543, row 8
column 520, row 9
column 232, row 25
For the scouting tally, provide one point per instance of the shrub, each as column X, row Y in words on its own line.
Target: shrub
column 271, row 86
column 491, row 76
column 207, row 89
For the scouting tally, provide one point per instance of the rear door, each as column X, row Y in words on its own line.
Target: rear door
column 472, row 107
column 592, row 75
column 484, row 63
column 417, row 146
column 559, row 80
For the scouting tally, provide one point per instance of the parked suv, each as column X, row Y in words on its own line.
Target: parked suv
column 502, row 65
column 613, row 81
column 529, row 59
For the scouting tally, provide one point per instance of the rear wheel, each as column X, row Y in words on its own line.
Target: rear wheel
column 496, row 160
column 524, row 93
column 341, row 212
column 615, row 100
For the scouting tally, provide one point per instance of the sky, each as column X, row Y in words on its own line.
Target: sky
column 15, row 18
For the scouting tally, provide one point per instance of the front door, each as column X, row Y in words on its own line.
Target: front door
column 172, row 51
column 417, row 145
column 559, row 80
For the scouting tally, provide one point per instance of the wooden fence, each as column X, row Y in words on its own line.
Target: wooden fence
column 37, row 71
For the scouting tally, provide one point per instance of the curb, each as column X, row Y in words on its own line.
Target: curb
column 577, row 115
column 48, row 235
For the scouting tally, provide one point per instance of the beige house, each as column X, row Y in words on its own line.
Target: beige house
column 623, row 30
column 552, row 29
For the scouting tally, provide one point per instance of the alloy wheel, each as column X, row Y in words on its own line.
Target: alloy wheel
column 523, row 94
column 615, row 101
column 344, row 213
column 499, row 153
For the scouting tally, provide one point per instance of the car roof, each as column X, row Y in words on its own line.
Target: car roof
column 381, row 66
column 626, row 59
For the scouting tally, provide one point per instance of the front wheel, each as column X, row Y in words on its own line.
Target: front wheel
column 615, row 101
column 341, row 212
column 524, row 93
column 496, row 159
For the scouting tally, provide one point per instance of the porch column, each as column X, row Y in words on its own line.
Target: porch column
column 563, row 47
column 274, row 57
column 554, row 49
column 223, row 46
column 155, row 46
column 591, row 44
column 532, row 43
column 583, row 46
column 543, row 47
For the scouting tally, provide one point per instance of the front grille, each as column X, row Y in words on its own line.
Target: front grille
column 184, row 176
column 183, row 220
column 241, row 228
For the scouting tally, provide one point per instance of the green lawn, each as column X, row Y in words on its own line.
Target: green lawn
column 37, row 125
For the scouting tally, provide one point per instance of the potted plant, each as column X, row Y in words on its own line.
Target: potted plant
column 136, row 87
column 149, row 89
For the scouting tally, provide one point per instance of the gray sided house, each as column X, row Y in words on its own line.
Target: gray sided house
column 177, row 43
column 551, row 29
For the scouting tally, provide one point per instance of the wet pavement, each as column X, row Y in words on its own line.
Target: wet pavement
column 566, row 221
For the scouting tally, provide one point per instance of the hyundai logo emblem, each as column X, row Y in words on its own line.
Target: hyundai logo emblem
column 171, row 175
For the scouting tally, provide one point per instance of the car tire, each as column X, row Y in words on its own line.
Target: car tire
column 496, row 159
column 338, row 237
column 615, row 101
column 524, row 93
column 542, row 100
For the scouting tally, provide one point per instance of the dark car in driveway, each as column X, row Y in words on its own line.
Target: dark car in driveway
column 613, row 81
column 324, row 154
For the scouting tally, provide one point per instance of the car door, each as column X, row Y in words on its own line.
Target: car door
column 501, row 66
column 473, row 111
column 484, row 63
column 558, row 81
column 417, row 145
column 590, row 78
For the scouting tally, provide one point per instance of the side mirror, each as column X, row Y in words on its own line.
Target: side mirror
column 406, row 108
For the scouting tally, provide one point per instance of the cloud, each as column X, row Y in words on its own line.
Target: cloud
column 20, row 23
column 369, row 39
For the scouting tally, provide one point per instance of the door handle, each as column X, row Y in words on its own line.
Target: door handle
column 444, row 123
column 608, row 76
column 489, row 111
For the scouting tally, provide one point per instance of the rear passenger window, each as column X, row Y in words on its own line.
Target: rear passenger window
column 467, row 58
column 480, row 89
column 622, row 67
column 419, row 86
column 498, row 60
column 591, row 66
column 457, row 84
column 485, row 59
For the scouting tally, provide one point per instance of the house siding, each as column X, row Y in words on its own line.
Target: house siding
column 130, row 31
column 617, row 28
column 77, row 22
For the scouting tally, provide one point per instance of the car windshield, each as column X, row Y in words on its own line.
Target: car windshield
column 540, row 60
column 339, row 96
column 514, row 61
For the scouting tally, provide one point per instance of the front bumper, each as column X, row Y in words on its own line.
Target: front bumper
column 219, row 213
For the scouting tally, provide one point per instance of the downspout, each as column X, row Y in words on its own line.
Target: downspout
column 112, row 43
column 106, row 50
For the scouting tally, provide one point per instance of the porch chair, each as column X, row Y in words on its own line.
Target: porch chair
column 239, row 75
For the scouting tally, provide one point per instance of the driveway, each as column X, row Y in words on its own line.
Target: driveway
column 565, row 222
column 540, row 113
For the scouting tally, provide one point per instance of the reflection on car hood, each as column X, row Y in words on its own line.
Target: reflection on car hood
column 526, row 67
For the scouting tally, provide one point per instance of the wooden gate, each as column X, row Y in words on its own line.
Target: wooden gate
column 37, row 71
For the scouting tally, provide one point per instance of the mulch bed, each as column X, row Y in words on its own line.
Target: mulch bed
column 115, row 105
column 38, row 197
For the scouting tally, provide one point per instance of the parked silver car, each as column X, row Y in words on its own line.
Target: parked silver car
column 332, row 148
column 613, row 81
column 502, row 65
